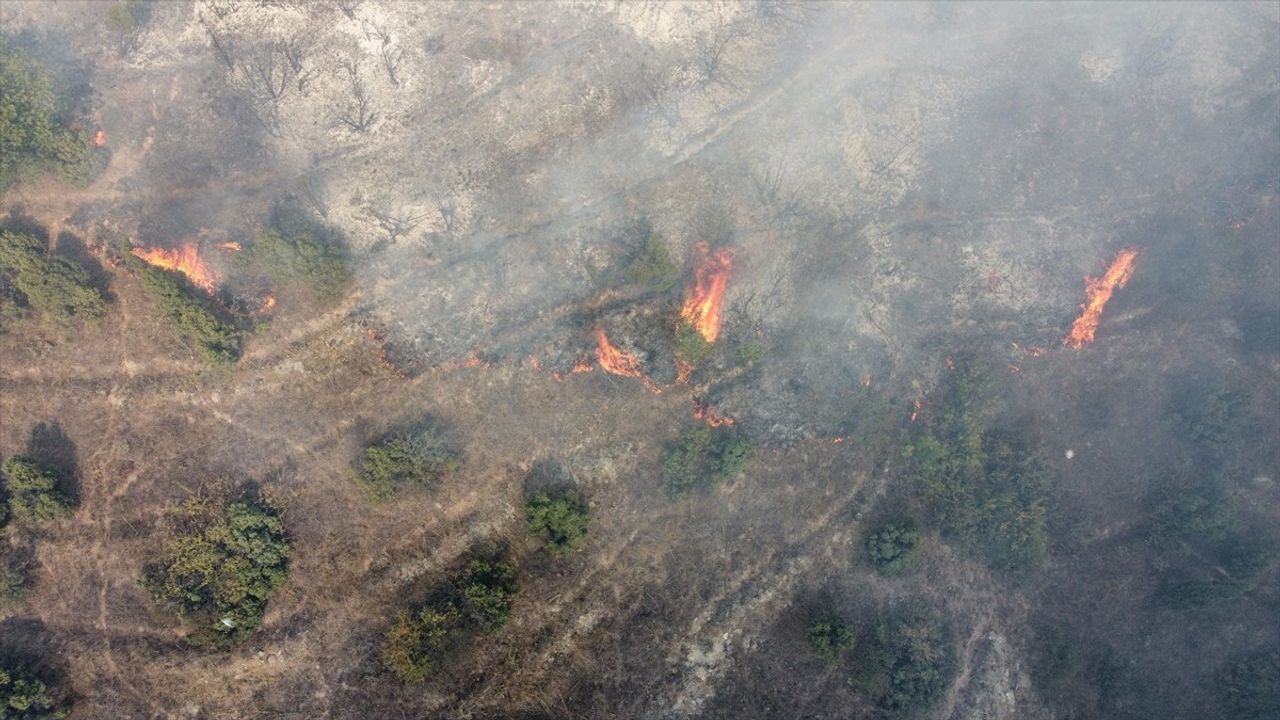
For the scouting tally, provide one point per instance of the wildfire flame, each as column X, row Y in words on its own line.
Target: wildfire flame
column 1097, row 292
column 184, row 259
column 268, row 302
column 916, row 407
column 231, row 246
column 702, row 411
column 619, row 362
column 702, row 303
column 99, row 138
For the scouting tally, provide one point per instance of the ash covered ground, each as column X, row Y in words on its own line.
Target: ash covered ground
column 897, row 188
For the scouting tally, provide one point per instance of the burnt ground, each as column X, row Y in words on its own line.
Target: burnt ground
column 901, row 183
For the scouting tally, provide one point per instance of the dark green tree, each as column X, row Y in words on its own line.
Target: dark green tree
column 488, row 588
column 318, row 263
column 702, row 456
column 829, row 636
column 560, row 518
column 419, row 644
column 214, row 339
column 894, row 546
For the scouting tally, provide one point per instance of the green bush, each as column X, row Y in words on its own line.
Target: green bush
column 690, row 346
column 15, row 577
column 561, row 519
column 215, row 340
column 1208, row 414
column 26, row 696
column 33, row 137
column 417, row 458
column 421, row 643
column 488, row 588
column 1199, row 593
column 651, row 266
column 702, row 456
column 750, row 352
column 52, row 285
column 33, row 492
column 1191, row 511
column 894, row 546
column 829, row 636
column 1251, row 687
column 319, row 264
column 220, row 566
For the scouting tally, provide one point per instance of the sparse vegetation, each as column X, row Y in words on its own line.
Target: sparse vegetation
column 702, row 456
column 33, row 492
column 414, row 459
column 1199, row 593
column 220, row 564
column 650, row 265
column 1250, row 688
column 903, row 659
column 829, row 636
column 24, row 695
column 984, row 489
column 49, row 284
column 214, row 339
column 303, row 258
column 1191, row 511
column 35, row 136
column 560, row 518
column 894, row 546
column 421, row 643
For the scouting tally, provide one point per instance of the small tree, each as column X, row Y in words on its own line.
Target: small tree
column 33, row 138
column 650, row 266
column 560, row 519
column 702, row 456
column 318, row 263
column 690, row 345
column 894, row 546
column 215, row 340
column 33, row 491
column 409, row 459
column 829, row 636
column 418, row 644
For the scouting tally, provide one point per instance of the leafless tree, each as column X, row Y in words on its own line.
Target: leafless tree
column 357, row 115
column 268, row 72
column 391, row 54
column 309, row 188
column 394, row 224
column 710, row 63
column 773, row 193
column 349, row 7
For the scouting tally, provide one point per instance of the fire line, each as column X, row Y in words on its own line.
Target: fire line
column 1097, row 293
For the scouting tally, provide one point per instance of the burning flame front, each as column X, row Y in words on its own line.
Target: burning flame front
column 1097, row 292
column 184, row 259
column 703, row 301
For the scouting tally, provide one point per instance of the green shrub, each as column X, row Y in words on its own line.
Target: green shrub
column 419, row 644
column 319, row 264
column 33, row 492
column 15, row 577
column 1251, row 687
column 488, row 588
column 1191, row 511
column 561, row 519
column 750, row 352
column 26, row 696
column 690, row 346
column 984, row 489
column 1208, row 414
column 829, row 636
column 894, row 546
column 215, row 340
column 702, row 456
column 418, row 458
column 33, row 138
column 220, row 566
column 651, row 266
column 52, row 285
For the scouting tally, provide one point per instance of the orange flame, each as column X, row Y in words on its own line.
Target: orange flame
column 916, row 408
column 1097, row 293
column 185, row 259
column 100, row 139
column 683, row 371
column 619, row 362
column 231, row 246
column 708, row 413
column 702, row 302
column 268, row 302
